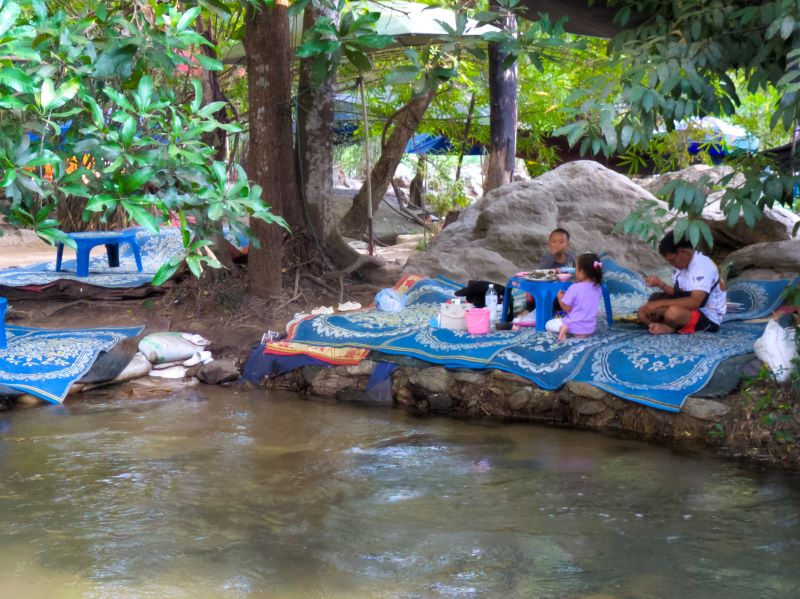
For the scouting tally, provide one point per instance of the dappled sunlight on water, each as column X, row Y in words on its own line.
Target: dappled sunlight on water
column 223, row 494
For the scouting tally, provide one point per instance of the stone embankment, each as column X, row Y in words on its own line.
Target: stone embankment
column 498, row 395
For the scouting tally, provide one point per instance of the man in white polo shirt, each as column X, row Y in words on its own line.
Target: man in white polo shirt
column 696, row 301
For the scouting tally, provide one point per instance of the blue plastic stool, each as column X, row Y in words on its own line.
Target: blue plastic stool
column 3, row 308
column 86, row 240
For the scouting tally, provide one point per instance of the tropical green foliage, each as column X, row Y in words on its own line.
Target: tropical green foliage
column 97, row 110
column 683, row 60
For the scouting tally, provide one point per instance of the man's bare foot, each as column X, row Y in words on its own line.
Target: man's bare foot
column 659, row 328
column 562, row 333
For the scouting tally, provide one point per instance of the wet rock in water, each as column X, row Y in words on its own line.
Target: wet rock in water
column 508, row 229
column 704, row 409
column 363, row 368
column 589, row 407
column 218, row 371
column 474, row 378
column 27, row 400
column 586, row 390
column 521, row 399
column 433, row 380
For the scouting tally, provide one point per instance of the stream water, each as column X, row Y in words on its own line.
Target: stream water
column 215, row 493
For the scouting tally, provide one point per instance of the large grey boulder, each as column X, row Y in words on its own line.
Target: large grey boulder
column 779, row 259
column 776, row 224
column 508, row 229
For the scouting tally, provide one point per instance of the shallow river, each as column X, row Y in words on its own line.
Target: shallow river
column 222, row 494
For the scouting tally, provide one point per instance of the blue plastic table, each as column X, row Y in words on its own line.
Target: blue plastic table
column 544, row 293
column 3, row 308
column 86, row 240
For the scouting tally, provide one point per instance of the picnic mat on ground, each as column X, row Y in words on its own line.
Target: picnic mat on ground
column 45, row 362
column 658, row 371
column 747, row 298
column 661, row 371
column 154, row 249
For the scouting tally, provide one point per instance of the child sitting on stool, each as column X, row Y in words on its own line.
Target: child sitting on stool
column 580, row 301
column 556, row 256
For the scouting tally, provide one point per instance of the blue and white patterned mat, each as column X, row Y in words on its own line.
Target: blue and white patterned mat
column 155, row 250
column 45, row 362
column 747, row 299
column 660, row 371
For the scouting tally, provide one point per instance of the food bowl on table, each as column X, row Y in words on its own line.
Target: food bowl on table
column 564, row 276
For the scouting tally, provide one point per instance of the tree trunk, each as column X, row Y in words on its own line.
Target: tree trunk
column 315, row 113
column 218, row 139
column 416, row 190
column 502, row 115
column 354, row 223
column 270, row 161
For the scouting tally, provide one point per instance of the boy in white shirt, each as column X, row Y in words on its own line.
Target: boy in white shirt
column 696, row 301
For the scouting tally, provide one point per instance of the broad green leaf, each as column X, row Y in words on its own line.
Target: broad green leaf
column 128, row 131
column 46, row 93
column 198, row 95
column 165, row 272
column 65, row 92
column 209, row 109
column 119, row 99
column 16, row 79
column 194, row 264
column 115, row 60
column 8, row 177
column 12, row 103
column 141, row 215
column 8, row 16
column 187, row 18
column 145, row 92
column 208, row 63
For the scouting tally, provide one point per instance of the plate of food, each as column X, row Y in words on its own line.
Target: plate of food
column 542, row 274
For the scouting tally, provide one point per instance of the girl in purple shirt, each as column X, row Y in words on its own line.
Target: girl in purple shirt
column 580, row 301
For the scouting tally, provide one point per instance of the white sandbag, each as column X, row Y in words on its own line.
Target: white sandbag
column 170, row 347
column 173, row 372
column 139, row 366
column 777, row 348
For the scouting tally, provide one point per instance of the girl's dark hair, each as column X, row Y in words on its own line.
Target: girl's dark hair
column 590, row 264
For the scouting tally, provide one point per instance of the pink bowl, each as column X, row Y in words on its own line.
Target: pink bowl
column 564, row 277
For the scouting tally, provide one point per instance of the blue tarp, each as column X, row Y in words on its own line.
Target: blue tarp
column 426, row 143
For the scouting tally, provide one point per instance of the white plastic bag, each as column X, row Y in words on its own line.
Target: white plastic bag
column 777, row 348
column 388, row 300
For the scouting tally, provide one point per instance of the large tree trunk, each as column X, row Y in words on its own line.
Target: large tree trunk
column 354, row 223
column 316, row 103
column 503, row 114
column 270, row 154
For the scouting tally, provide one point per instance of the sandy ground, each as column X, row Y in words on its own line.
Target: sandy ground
column 221, row 310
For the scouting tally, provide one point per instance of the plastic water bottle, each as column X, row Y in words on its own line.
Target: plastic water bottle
column 491, row 304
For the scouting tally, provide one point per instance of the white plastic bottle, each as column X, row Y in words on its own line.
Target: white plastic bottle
column 491, row 303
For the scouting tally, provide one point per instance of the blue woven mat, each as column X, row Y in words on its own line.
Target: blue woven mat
column 46, row 362
column 747, row 299
column 656, row 370
column 155, row 250
column 661, row 371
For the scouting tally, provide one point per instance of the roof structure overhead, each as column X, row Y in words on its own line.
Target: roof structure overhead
column 596, row 20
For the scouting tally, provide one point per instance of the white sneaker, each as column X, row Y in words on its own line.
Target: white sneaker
column 322, row 310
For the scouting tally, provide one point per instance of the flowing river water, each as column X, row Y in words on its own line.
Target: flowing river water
column 216, row 493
